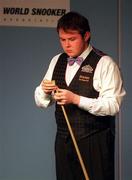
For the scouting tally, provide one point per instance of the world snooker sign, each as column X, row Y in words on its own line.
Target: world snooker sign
column 38, row 13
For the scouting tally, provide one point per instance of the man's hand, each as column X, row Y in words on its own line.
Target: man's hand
column 48, row 86
column 63, row 96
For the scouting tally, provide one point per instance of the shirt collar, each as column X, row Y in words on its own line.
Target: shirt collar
column 86, row 52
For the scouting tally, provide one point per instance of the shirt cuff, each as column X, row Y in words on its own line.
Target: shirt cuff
column 42, row 99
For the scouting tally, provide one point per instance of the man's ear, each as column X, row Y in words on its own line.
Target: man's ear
column 87, row 36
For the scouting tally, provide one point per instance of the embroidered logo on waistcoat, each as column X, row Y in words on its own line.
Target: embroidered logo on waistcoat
column 84, row 78
column 87, row 69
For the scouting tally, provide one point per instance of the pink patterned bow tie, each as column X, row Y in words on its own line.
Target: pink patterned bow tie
column 72, row 60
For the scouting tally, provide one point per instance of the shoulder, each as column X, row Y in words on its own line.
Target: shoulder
column 107, row 62
column 54, row 60
column 106, row 67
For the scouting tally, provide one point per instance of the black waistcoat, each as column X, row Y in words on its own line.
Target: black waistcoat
column 82, row 122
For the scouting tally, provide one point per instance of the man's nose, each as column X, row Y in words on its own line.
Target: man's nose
column 67, row 44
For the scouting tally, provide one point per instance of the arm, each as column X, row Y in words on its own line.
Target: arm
column 108, row 82
column 43, row 97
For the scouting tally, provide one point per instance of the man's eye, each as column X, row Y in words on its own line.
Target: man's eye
column 72, row 39
column 62, row 40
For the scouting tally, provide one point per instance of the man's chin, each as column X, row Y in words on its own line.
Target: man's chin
column 70, row 54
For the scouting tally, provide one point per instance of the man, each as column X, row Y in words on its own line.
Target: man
column 91, row 90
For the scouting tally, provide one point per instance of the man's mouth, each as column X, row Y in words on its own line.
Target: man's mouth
column 69, row 51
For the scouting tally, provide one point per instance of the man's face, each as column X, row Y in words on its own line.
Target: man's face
column 72, row 42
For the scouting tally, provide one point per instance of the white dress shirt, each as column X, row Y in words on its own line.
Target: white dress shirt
column 107, row 81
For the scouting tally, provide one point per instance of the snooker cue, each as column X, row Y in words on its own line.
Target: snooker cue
column 74, row 141
column 75, row 144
